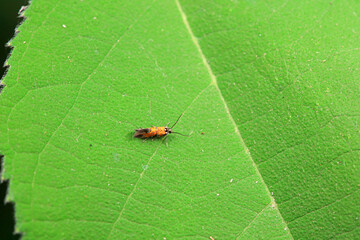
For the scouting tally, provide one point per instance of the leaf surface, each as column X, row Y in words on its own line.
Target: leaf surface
column 83, row 75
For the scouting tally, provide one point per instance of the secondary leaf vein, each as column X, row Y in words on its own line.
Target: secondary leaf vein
column 75, row 101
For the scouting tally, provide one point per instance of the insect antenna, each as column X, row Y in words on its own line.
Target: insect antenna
column 181, row 134
column 177, row 121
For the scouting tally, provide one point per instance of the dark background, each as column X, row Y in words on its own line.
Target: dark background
column 9, row 19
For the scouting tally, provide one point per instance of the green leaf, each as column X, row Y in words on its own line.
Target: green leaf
column 84, row 74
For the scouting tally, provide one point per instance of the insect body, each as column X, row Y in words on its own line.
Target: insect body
column 154, row 132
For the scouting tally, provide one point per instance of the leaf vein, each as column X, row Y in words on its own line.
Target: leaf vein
column 132, row 192
column 76, row 98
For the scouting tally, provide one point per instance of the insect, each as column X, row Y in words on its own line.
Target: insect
column 154, row 132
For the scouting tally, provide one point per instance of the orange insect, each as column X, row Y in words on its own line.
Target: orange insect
column 154, row 132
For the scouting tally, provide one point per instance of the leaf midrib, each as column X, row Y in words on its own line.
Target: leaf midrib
column 214, row 82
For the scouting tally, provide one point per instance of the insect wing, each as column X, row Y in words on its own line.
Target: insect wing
column 141, row 132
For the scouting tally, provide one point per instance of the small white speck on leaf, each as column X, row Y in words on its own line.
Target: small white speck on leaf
column 231, row 180
column 64, row 26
